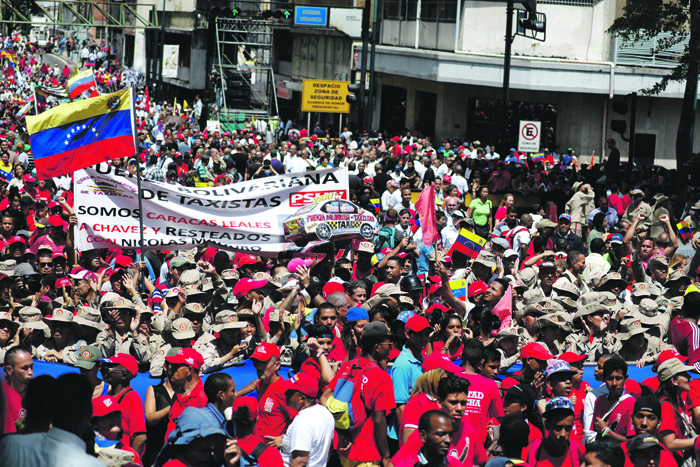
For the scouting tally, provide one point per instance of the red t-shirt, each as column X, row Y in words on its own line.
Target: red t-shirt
column 653, row 383
column 465, row 447
column 313, row 369
column 580, row 394
column 133, row 416
column 685, row 336
column 411, row 461
column 338, row 351
column 666, row 456
column 13, row 409
column 537, row 455
column 274, row 416
column 692, row 399
column 483, row 402
column 670, row 421
column 378, row 395
column 174, row 463
column 416, row 406
column 620, row 418
column 270, row 457
column 196, row 398
column 439, row 345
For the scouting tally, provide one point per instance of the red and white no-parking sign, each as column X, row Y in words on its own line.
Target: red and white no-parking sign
column 529, row 136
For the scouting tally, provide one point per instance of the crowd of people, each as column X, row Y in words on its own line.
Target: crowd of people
column 402, row 353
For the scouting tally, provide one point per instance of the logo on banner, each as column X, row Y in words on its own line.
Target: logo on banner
column 297, row 200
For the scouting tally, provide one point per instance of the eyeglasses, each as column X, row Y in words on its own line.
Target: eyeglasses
column 45, row 264
column 390, row 344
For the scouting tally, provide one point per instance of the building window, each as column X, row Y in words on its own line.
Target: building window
column 441, row 11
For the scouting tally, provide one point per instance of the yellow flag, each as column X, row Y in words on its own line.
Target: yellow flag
column 175, row 103
column 185, row 105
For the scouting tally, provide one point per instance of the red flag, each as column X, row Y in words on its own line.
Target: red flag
column 504, row 309
column 94, row 93
column 148, row 99
column 592, row 160
column 425, row 206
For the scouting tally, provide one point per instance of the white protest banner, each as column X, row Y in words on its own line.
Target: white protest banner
column 246, row 216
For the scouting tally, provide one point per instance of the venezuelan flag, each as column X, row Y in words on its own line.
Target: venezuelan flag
column 79, row 83
column 73, row 136
column 40, row 97
column 685, row 230
column 459, row 289
column 468, row 243
column 377, row 204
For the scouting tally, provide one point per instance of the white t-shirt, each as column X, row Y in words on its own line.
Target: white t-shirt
column 312, row 431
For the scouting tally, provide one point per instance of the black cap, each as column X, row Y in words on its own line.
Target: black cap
column 376, row 329
column 523, row 393
column 648, row 404
column 643, row 441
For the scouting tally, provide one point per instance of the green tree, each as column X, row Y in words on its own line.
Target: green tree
column 680, row 20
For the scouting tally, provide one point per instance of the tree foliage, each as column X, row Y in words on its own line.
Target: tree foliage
column 680, row 21
column 645, row 20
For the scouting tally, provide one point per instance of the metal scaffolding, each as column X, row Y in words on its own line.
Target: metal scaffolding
column 81, row 14
column 244, row 60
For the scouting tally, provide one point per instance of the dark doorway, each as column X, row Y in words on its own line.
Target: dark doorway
column 393, row 110
column 426, row 112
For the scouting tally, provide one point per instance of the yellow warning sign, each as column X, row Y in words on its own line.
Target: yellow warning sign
column 325, row 96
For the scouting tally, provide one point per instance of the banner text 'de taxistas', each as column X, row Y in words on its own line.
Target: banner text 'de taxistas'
column 245, row 216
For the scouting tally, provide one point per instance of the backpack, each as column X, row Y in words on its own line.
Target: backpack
column 252, row 459
column 513, row 232
column 385, row 238
column 346, row 404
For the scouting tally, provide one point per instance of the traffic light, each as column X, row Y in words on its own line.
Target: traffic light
column 353, row 91
column 620, row 107
column 277, row 14
column 532, row 23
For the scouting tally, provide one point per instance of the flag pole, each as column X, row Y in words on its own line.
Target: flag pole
column 138, row 179
column 36, row 103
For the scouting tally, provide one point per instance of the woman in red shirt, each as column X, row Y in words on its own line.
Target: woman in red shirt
column 676, row 430
column 449, row 341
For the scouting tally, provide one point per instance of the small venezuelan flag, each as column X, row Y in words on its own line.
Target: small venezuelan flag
column 73, row 136
column 377, row 204
column 80, row 83
column 459, row 289
column 468, row 243
column 685, row 230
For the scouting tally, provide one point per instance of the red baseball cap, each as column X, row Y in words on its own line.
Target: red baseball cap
column 417, row 324
column 57, row 221
column 243, row 260
column 105, row 405
column 187, row 356
column 17, row 239
column 63, row 281
column 123, row 262
column 535, row 350
column 437, row 360
column 124, row 359
column 447, row 179
column 244, row 286
column 247, row 401
column 668, row 355
column 571, row 357
column 53, row 204
column 305, row 384
column 265, row 351
column 59, row 254
column 331, row 287
column 476, row 288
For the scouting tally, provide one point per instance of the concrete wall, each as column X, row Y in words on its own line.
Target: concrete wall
column 579, row 116
column 576, row 33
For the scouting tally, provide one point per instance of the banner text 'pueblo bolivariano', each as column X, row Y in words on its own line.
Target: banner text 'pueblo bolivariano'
column 247, row 216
